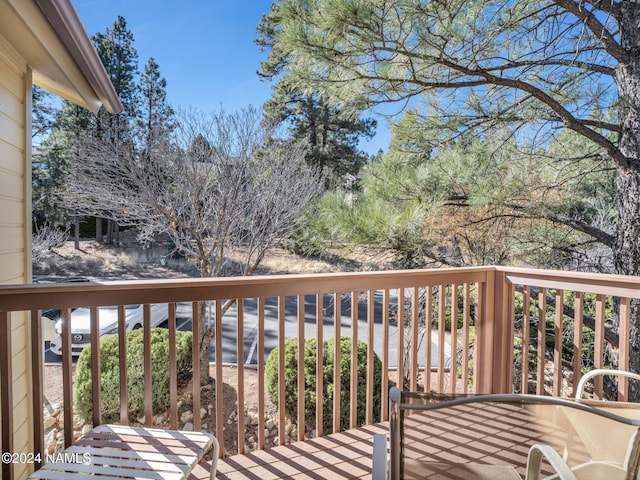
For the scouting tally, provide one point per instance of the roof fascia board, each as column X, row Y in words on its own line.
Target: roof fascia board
column 66, row 22
column 25, row 27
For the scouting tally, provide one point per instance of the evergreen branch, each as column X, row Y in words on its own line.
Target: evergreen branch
column 603, row 125
column 596, row 26
column 565, row 115
column 596, row 233
column 588, row 66
column 478, row 77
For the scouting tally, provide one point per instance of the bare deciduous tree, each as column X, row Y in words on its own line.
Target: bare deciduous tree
column 44, row 240
column 221, row 182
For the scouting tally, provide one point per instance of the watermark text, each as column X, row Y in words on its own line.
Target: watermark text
column 63, row 457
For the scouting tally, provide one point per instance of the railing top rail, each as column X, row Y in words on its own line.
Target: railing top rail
column 606, row 284
column 70, row 295
column 122, row 292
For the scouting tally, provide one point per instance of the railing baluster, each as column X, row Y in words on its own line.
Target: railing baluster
column 6, row 392
column 466, row 320
column 122, row 364
column 67, row 378
column 319, row 364
column 281, row 368
column 442, row 295
column 479, row 384
column 542, row 338
column 240, row 362
column 623, row 348
column 173, row 367
column 148, row 399
column 353, row 413
column 199, row 324
column 557, row 344
column 428, row 325
column 415, row 327
column 261, row 420
column 370, row 353
column 385, row 356
column 37, row 363
column 401, row 342
column 509, row 326
column 96, row 389
column 598, row 361
column 454, row 337
column 301, row 368
column 623, row 342
column 219, row 378
column 337, row 384
column 578, row 311
column 526, row 338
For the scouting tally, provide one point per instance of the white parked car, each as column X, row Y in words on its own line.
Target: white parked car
column 108, row 319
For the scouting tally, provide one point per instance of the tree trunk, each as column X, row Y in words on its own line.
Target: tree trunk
column 109, row 239
column 76, row 233
column 627, row 246
column 99, row 237
column 206, row 335
column 112, row 232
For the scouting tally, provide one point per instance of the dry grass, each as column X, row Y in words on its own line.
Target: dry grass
column 95, row 259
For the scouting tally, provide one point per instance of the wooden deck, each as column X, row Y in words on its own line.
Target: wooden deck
column 451, row 440
column 343, row 455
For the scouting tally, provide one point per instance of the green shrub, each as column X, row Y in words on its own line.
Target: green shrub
column 291, row 381
column 110, row 373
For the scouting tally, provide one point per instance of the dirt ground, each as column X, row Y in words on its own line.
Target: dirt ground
column 129, row 262
column 54, row 399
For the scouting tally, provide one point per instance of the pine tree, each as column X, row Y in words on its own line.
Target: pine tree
column 332, row 133
column 157, row 117
column 53, row 161
column 43, row 112
column 537, row 67
column 120, row 58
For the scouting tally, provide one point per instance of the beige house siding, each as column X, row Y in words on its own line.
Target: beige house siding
column 15, row 225
column 15, row 82
column 41, row 42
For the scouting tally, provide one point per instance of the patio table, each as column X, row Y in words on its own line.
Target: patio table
column 121, row 452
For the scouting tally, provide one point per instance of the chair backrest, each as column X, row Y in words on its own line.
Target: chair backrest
column 588, row 434
column 603, row 438
column 632, row 460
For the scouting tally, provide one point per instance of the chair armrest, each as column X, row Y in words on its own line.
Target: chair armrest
column 215, row 446
column 601, row 371
column 534, row 463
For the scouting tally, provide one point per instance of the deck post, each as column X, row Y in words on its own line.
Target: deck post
column 494, row 333
column 395, row 435
column 503, row 352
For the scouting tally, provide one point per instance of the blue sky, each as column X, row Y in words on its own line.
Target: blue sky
column 205, row 48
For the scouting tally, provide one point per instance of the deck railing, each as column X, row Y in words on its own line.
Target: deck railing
column 448, row 330
column 568, row 318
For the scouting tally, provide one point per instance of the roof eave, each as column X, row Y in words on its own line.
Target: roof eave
column 65, row 21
